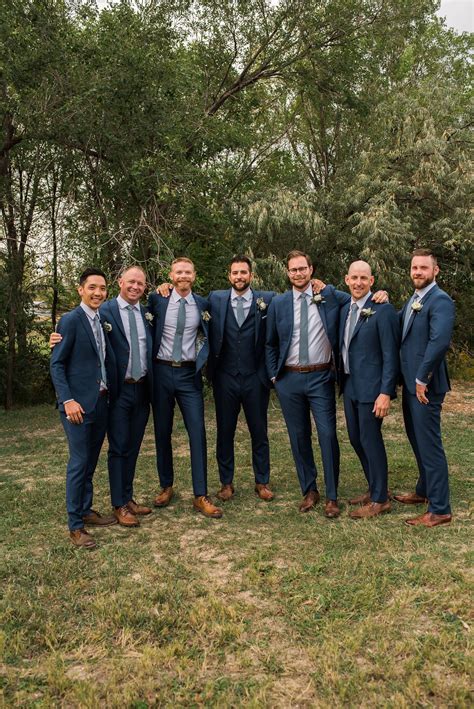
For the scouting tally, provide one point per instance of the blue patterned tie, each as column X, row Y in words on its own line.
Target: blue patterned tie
column 304, row 346
column 240, row 314
column 136, row 372
column 98, row 339
column 352, row 323
column 177, row 353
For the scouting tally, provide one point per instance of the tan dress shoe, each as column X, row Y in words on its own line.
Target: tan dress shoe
column 410, row 498
column 331, row 509
column 137, row 509
column 309, row 501
column 203, row 504
column 429, row 519
column 81, row 538
column 124, row 517
column 264, row 492
column 360, row 499
column 95, row 519
column 163, row 499
column 371, row 509
column 225, row 493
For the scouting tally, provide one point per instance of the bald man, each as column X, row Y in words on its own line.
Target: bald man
column 368, row 369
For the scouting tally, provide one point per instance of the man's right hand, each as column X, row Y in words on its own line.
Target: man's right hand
column 73, row 411
column 54, row 338
column 164, row 289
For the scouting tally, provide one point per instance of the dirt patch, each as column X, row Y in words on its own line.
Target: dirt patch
column 460, row 400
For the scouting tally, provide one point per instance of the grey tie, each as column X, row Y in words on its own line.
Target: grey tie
column 178, row 337
column 240, row 314
column 352, row 323
column 304, row 347
column 98, row 340
column 409, row 313
column 136, row 372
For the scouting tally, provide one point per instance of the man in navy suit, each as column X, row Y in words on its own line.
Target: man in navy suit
column 427, row 321
column 180, row 351
column 368, row 374
column 302, row 342
column 236, row 368
column 84, row 376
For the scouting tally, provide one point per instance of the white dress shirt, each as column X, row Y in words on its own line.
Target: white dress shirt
column 123, row 305
column 345, row 346
column 319, row 346
column 193, row 321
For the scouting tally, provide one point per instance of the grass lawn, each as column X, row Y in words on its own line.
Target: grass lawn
column 263, row 608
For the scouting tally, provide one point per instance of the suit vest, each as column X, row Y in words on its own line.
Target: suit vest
column 238, row 346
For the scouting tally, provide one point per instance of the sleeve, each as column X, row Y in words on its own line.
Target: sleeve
column 441, row 323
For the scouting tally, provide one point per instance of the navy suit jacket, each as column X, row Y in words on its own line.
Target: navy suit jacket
column 75, row 363
column 280, row 325
column 110, row 312
column 218, row 304
column 423, row 349
column 157, row 306
column 373, row 352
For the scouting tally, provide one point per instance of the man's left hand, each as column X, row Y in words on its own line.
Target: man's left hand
column 381, row 406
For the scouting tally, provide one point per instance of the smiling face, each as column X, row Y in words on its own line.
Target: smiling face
column 182, row 276
column 132, row 285
column 359, row 279
column 93, row 291
column 299, row 272
column 240, row 276
column 423, row 271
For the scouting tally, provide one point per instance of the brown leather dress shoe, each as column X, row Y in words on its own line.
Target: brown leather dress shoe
column 331, row 509
column 371, row 509
column 137, row 509
column 360, row 499
column 309, row 501
column 203, row 504
column 124, row 517
column 429, row 519
column 95, row 519
column 225, row 493
column 81, row 538
column 164, row 497
column 264, row 492
column 410, row 498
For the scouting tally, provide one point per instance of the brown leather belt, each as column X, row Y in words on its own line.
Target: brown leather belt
column 130, row 380
column 304, row 368
column 171, row 363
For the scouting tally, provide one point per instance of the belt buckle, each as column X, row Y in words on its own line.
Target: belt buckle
column 176, row 364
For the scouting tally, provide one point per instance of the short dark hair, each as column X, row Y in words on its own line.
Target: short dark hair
column 425, row 252
column 91, row 272
column 296, row 254
column 240, row 258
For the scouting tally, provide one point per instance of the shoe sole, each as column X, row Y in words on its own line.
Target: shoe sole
column 205, row 514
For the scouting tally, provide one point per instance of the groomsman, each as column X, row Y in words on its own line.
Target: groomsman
column 83, row 371
column 368, row 373
column 427, row 321
column 236, row 368
column 180, row 351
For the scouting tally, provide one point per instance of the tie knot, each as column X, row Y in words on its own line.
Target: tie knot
column 415, row 297
column 129, row 307
column 303, row 296
column 240, row 298
column 182, row 300
column 354, row 307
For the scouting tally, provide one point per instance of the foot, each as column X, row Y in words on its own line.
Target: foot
column 124, row 517
column 410, row 498
column 264, row 492
column 331, row 509
column 203, row 504
column 429, row 519
column 81, row 538
column 309, row 501
column 137, row 509
column 371, row 509
column 225, row 493
column 360, row 499
column 164, row 498
column 95, row 519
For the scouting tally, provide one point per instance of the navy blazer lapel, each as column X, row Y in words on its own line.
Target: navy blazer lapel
column 258, row 315
column 85, row 322
column 223, row 313
column 342, row 324
column 115, row 311
column 322, row 314
column 147, row 325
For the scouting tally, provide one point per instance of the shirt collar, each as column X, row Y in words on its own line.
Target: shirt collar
column 122, row 303
column 308, row 291
column 421, row 293
column 362, row 301
column 90, row 312
column 175, row 297
column 248, row 295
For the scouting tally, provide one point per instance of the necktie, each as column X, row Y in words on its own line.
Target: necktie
column 240, row 315
column 352, row 323
column 178, row 336
column 136, row 372
column 98, row 339
column 304, row 348
column 409, row 312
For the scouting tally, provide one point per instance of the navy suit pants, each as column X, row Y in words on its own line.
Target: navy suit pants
column 423, row 427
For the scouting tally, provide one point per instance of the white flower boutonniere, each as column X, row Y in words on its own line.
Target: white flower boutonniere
column 261, row 305
column 149, row 317
column 206, row 315
column 416, row 306
column 107, row 326
column 317, row 299
column 366, row 313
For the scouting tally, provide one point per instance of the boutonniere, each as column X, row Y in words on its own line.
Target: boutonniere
column 416, row 306
column 206, row 315
column 261, row 305
column 366, row 313
column 149, row 317
column 317, row 299
column 107, row 326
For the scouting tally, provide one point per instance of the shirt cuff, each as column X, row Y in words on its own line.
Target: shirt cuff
column 423, row 384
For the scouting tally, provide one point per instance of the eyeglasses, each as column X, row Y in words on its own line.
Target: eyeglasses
column 294, row 271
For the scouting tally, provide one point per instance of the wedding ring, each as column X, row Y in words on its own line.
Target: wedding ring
column 68, row 418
